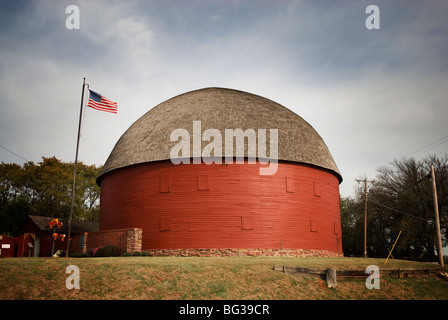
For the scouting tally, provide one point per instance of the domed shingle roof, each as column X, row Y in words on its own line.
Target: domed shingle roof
column 148, row 139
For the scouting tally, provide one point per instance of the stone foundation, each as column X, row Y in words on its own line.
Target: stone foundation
column 242, row 253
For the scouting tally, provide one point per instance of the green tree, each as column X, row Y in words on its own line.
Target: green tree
column 88, row 192
column 51, row 183
column 9, row 183
column 46, row 187
column 352, row 224
column 13, row 214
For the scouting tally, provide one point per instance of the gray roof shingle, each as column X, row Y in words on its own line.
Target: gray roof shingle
column 148, row 139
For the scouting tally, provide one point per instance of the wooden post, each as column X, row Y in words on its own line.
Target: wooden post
column 365, row 214
column 436, row 214
column 283, row 260
column 52, row 244
column 331, row 278
column 365, row 218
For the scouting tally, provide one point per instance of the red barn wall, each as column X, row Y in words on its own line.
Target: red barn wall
column 16, row 247
column 224, row 206
column 46, row 244
column 8, row 246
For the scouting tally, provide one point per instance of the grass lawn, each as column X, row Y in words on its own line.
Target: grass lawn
column 204, row 278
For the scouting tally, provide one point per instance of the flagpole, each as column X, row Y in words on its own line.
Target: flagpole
column 74, row 172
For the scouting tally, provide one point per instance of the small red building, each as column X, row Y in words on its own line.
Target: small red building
column 222, row 205
column 9, row 247
column 34, row 237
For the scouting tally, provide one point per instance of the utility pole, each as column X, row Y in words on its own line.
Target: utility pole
column 436, row 213
column 365, row 213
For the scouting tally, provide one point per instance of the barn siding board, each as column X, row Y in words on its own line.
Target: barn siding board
column 164, row 184
column 213, row 218
column 290, row 184
column 203, row 184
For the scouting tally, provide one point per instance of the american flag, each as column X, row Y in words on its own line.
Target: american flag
column 98, row 102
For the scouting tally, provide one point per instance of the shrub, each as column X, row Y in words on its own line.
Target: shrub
column 140, row 253
column 95, row 251
column 107, row 251
column 78, row 255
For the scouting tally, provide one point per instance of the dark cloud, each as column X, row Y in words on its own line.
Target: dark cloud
column 373, row 95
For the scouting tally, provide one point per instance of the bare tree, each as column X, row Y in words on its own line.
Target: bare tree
column 400, row 200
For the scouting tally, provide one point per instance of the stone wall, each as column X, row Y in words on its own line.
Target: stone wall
column 242, row 253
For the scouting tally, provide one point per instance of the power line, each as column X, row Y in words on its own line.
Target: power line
column 14, row 153
column 421, row 149
column 432, row 145
column 383, row 205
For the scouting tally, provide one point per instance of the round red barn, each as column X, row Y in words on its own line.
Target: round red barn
column 223, row 205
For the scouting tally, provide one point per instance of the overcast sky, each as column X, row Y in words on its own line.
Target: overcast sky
column 373, row 95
